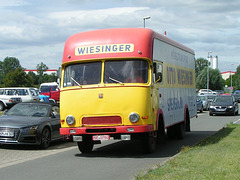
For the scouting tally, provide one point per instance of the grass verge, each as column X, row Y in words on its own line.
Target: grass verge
column 217, row 157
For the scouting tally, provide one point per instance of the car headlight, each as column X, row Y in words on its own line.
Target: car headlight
column 211, row 106
column 70, row 120
column 33, row 127
column 134, row 117
column 230, row 106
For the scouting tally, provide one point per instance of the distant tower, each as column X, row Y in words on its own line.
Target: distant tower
column 215, row 62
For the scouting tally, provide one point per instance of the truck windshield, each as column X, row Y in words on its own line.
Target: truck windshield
column 82, row 74
column 115, row 71
column 129, row 71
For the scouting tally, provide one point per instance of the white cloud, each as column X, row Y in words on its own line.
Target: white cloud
column 36, row 31
column 11, row 3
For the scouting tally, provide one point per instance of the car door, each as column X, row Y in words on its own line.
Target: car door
column 55, row 122
column 235, row 105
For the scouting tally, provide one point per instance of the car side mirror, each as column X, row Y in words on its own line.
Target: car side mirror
column 53, row 114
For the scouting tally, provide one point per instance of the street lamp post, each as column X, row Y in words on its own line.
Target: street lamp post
column 231, row 79
column 144, row 18
column 208, row 70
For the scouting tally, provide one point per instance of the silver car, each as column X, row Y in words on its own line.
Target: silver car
column 206, row 100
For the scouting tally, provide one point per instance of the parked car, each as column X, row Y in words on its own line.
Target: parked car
column 7, row 100
column 219, row 92
column 199, row 104
column 224, row 104
column 13, row 95
column 206, row 92
column 236, row 95
column 51, row 90
column 206, row 100
column 31, row 124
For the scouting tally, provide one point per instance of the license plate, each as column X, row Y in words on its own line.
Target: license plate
column 221, row 109
column 100, row 137
column 6, row 134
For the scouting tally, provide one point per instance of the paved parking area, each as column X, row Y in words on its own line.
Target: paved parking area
column 14, row 154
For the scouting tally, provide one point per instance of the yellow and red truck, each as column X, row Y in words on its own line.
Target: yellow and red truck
column 126, row 83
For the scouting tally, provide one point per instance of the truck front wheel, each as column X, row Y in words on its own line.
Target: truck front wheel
column 86, row 145
column 149, row 142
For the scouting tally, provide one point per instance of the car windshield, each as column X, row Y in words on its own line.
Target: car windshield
column 223, row 99
column 48, row 88
column 29, row 109
column 203, row 97
column 20, row 92
column 211, row 97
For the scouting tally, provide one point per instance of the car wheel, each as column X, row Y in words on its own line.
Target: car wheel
column 210, row 113
column 86, row 145
column 45, row 138
column 201, row 110
column 1, row 106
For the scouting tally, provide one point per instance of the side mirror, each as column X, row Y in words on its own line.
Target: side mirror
column 158, row 77
column 53, row 114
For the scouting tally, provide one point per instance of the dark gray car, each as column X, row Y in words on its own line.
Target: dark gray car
column 30, row 123
column 224, row 104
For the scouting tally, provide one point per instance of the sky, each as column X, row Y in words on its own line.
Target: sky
column 35, row 31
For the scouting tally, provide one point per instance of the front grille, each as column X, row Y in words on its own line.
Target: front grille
column 5, row 130
column 101, row 130
column 102, row 120
column 221, row 107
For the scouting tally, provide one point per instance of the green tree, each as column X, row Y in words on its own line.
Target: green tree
column 10, row 64
column 200, row 64
column 41, row 68
column 34, row 77
column 234, row 80
column 18, row 78
column 215, row 79
column 1, row 73
column 50, row 78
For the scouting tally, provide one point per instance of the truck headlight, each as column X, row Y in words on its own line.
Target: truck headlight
column 134, row 117
column 70, row 120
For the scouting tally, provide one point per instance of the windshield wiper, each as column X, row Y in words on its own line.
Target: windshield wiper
column 115, row 80
column 76, row 82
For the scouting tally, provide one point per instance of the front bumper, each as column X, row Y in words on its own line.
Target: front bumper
column 221, row 111
column 106, row 130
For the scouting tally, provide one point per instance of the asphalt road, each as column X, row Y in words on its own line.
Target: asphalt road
column 118, row 160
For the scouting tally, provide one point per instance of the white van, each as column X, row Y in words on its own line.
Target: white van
column 12, row 95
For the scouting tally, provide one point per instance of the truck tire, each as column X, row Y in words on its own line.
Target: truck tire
column 86, row 145
column 149, row 142
column 161, row 136
column 180, row 130
column 171, row 132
